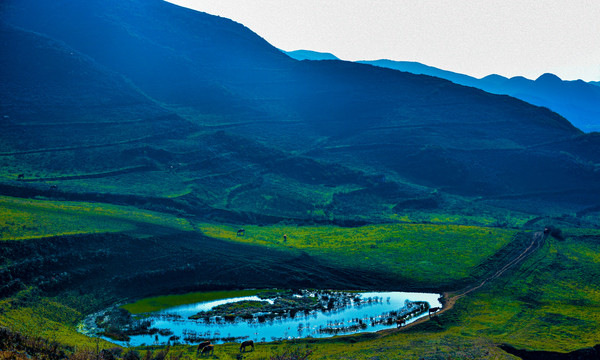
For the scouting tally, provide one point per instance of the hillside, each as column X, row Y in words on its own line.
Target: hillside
column 575, row 100
column 61, row 110
column 377, row 125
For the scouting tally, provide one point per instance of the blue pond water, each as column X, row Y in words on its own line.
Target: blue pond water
column 368, row 314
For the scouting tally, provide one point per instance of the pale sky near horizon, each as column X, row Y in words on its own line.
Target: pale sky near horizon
column 473, row 37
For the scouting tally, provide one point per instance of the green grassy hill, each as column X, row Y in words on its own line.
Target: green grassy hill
column 258, row 120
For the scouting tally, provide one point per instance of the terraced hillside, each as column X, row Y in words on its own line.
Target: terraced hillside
column 260, row 128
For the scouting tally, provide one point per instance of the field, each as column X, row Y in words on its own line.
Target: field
column 531, row 308
column 22, row 219
column 548, row 302
column 162, row 302
column 434, row 253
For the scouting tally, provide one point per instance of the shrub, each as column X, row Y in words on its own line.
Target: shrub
column 131, row 355
column 292, row 354
column 83, row 354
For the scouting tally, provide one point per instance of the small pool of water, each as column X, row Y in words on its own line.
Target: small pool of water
column 372, row 311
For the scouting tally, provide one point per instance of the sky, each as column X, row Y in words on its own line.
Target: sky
column 474, row 37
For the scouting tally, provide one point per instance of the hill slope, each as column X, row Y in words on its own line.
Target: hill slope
column 61, row 110
column 266, row 137
column 576, row 100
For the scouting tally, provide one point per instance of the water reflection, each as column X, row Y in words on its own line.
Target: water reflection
column 351, row 313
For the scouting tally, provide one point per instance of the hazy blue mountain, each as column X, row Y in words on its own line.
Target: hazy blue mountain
column 597, row 83
column 264, row 135
column 418, row 68
column 310, row 55
column 578, row 101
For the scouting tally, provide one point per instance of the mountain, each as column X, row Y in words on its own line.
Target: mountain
column 54, row 98
column 597, row 83
column 418, row 68
column 208, row 119
column 576, row 100
column 310, row 55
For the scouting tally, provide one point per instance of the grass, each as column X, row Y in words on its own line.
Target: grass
column 22, row 219
column 549, row 302
column 163, row 302
column 421, row 252
column 50, row 318
column 148, row 183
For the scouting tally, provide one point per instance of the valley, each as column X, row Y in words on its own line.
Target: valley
column 56, row 279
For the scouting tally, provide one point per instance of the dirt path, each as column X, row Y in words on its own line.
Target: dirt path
column 450, row 298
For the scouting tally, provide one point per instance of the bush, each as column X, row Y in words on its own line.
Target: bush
column 131, row 355
column 292, row 354
column 555, row 232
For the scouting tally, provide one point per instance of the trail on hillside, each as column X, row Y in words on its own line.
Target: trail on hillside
column 449, row 299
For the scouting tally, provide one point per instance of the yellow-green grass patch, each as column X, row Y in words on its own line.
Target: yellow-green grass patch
column 421, row 252
column 551, row 303
column 48, row 319
column 163, row 302
column 27, row 218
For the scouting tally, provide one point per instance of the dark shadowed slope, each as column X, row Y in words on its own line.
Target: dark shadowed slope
column 172, row 53
column 578, row 101
column 268, row 128
column 53, row 98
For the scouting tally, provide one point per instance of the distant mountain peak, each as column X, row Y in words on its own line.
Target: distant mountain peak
column 575, row 100
column 493, row 80
column 549, row 78
column 310, row 55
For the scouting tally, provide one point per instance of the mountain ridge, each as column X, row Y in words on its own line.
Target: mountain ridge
column 576, row 100
column 257, row 134
column 310, row 55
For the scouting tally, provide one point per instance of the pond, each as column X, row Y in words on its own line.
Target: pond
column 270, row 317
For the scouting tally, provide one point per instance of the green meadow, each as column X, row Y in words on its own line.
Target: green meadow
column 435, row 253
column 533, row 307
column 22, row 219
column 550, row 302
column 163, row 302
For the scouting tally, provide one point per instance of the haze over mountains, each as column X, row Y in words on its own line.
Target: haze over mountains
column 148, row 100
column 577, row 101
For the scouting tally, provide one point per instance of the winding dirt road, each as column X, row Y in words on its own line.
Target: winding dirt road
column 450, row 298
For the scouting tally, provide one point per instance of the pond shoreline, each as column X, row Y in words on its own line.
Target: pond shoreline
column 273, row 315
